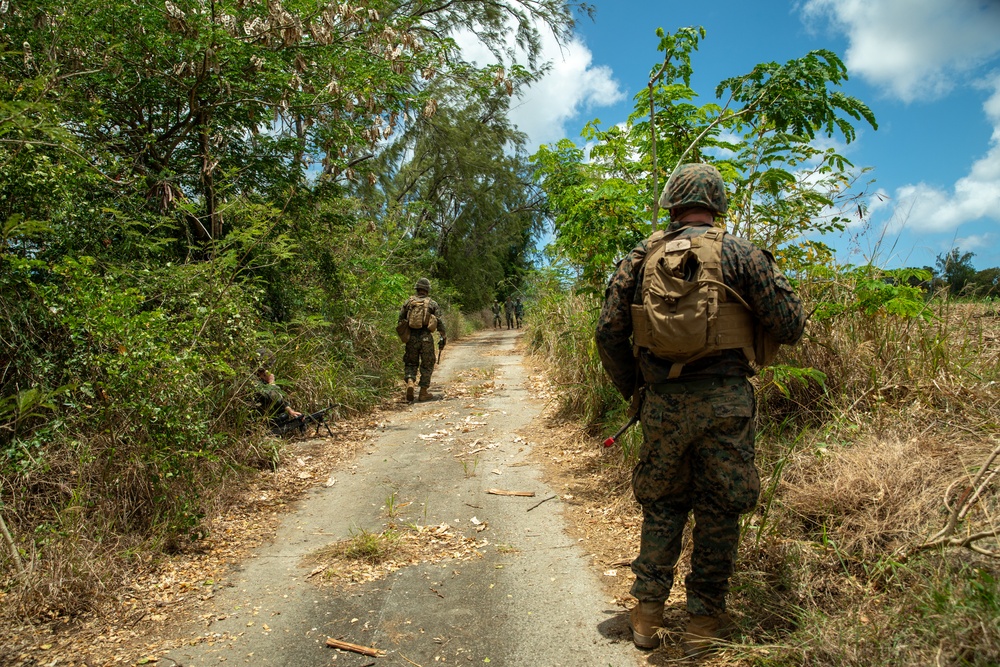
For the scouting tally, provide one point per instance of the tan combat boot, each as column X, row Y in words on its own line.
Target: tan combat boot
column 409, row 391
column 424, row 394
column 705, row 633
column 644, row 620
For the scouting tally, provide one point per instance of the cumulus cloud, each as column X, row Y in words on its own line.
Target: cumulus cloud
column 571, row 85
column 920, row 50
column 913, row 48
column 976, row 195
column 976, row 242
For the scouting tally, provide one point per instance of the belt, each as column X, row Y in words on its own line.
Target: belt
column 682, row 386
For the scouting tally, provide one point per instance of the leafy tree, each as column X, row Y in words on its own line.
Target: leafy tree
column 956, row 269
column 460, row 180
column 783, row 187
column 987, row 282
column 190, row 105
column 596, row 214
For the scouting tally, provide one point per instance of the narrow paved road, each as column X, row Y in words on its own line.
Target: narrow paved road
column 526, row 598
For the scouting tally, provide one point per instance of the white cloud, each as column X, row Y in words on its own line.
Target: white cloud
column 976, row 195
column 976, row 242
column 571, row 85
column 913, row 48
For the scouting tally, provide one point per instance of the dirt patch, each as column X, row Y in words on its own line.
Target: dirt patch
column 370, row 557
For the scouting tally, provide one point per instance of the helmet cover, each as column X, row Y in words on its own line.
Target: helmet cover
column 695, row 184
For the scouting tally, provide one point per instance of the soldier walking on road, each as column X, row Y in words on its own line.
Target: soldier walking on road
column 508, row 312
column 496, row 314
column 419, row 317
column 697, row 409
column 518, row 311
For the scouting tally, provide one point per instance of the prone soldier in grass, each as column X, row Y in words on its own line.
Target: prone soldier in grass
column 698, row 406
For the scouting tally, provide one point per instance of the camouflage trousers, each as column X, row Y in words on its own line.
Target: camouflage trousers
column 419, row 354
column 697, row 455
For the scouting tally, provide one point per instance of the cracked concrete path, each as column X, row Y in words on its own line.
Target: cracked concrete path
column 528, row 598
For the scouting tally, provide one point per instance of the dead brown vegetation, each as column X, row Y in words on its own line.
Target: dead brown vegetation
column 875, row 488
column 879, row 494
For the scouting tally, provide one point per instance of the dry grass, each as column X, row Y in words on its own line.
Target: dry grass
column 855, row 473
column 108, row 599
column 879, row 494
column 368, row 556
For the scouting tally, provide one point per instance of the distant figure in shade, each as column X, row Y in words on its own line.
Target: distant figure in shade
column 496, row 314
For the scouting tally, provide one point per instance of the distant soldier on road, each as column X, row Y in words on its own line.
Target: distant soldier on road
column 508, row 312
column 518, row 311
column 419, row 317
column 496, row 314
column 698, row 410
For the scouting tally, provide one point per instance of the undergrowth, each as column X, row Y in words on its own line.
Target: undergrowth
column 869, row 431
column 127, row 413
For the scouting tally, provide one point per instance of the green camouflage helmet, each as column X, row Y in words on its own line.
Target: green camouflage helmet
column 423, row 285
column 695, row 185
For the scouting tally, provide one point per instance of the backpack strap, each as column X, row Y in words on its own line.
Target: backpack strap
column 641, row 336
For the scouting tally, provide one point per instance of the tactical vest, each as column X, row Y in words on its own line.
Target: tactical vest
column 687, row 311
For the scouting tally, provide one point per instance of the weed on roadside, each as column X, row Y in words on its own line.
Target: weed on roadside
column 469, row 467
column 391, row 506
column 941, row 611
column 368, row 556
column 365, row 546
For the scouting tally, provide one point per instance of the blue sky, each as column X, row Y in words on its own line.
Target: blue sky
column 929, row 69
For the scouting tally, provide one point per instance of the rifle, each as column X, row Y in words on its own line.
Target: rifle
column 634, row 412
column 610, row 441
column 299, row 423
column 318, row 418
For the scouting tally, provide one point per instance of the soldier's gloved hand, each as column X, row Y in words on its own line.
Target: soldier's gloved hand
column 441, row 343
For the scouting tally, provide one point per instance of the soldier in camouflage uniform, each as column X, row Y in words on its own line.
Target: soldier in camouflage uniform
column 419, row 352
column 698, row 449
column 508, row 312
column 496, row 314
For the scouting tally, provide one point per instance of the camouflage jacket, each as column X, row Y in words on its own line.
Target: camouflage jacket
column 271, row 401
column 746, row 268
column 435, row 310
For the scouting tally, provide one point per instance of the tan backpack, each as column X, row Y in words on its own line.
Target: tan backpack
column 687, row 311
column 419, row 315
